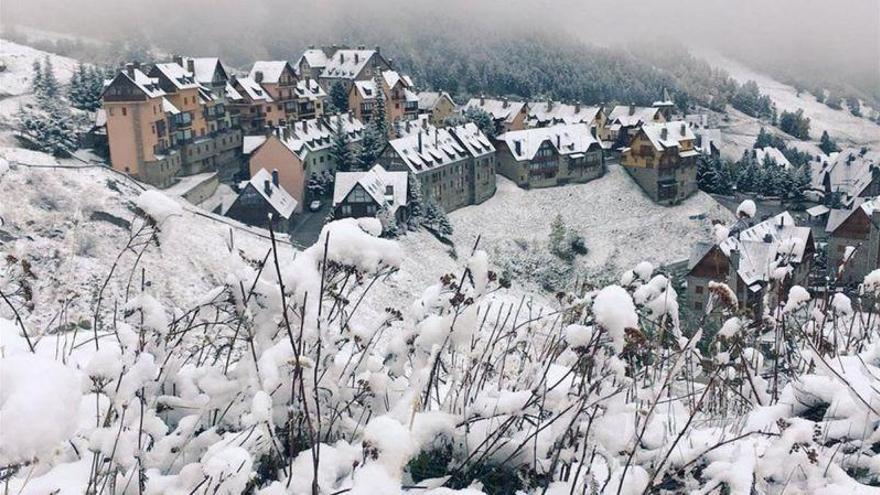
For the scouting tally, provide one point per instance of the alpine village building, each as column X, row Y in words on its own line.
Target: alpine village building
column 854, row 241
column 507, row 115
column 332, row 64
column 167, row 123
column 662, row 159
column 260, row 197
column 455, row 166
column 439, row 105
column 364, row 194
column 550, row 156
column 401, row 100
column 749, row 260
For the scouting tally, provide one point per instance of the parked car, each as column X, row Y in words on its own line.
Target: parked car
column 315, row 205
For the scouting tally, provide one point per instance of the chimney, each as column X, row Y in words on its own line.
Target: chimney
column 267, row 187
column 275, row 176
column 191, row 65
column 178, row 60
column 129, row 70
column 350, row 118
column 664, row 133
column 504, row 102
column 683, row 129
column 407, row 127
column 258, row 76
column 286, row 133
column 341, row 58
column 517, row 145
column 378, row 50
column 558, row 142
column 482, row 99
column 436, row 137
column 305, row 126
column 420, row 140
column 632, row 109
column 593, row 132
column 357, row 57
column 577, row 106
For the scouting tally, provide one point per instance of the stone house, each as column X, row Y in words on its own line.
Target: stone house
column 550, row 156
column 749, row 260
column 662, row 159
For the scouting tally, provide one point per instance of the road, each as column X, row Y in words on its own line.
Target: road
column 308, row 225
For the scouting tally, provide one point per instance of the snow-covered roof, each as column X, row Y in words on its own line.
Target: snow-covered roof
column 840, row 215
column 422, row 151
column 429, row 99
column 309, row 89
column 501, row 110
column 761, row 245
column 169, row 107
column 473, row 139
column 668, row 134
column 367, row 89
column 232, row 94
column 100, row 117
column 849, row 172
column 632, row 116
column 317, row 134
column 279, row 199
column 271, row 69
column 346, row 63
column 315, row 57
column 250, row 143
column 567, row 139
column 149, row 85
column 179, row 77
column 774, row 154
column 375, row 182
column 818, row 210
column 422, row 123
column 253, row 89
column 203, row 68
column 554, row 112
column 708, row 137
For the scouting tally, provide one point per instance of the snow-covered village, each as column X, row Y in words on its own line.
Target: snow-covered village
column 470, row 247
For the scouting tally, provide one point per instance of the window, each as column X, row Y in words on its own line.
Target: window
column 698, row 305
column 698, row 289
column 124, row 111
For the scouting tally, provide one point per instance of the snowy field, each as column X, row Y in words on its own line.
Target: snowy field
column 840, row 124
column 19, row 60
column 620, row 224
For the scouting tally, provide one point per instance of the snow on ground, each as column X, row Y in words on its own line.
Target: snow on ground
column 738, row 133
column 620, row 224
column 19, row 60
column 840, row 124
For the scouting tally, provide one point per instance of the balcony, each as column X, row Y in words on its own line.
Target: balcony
column 181, row 120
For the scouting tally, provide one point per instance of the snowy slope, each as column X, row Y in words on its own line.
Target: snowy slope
column 620, row 224
column 19, row 59
column 840, row 124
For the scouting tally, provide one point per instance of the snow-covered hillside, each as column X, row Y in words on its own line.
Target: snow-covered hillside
column 19, row 59
column 840, row 124
column 620, row 224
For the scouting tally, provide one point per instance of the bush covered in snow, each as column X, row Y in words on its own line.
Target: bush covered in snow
column 275, row 384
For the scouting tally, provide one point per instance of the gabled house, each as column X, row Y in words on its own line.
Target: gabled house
column 624, row 122
column 401, row 102
column 344, row 65
column 550, row 156
column 444, row 164
column 139, row 132
column 854, row 237
column 256, row 110
column 364, row 194
column 294, row 97
column 317, row 137
column 283, row 153
column 762, row 155
column 849, row 174
column 708, row 140
column 507, row 115
column 260, row 197
column 749, row 260
column 439, row 105
column 549, row 113
column 662, row 159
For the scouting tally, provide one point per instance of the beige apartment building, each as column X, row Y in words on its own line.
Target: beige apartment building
column 401, row 101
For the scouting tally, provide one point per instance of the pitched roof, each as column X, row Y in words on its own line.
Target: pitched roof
column 839, row 215
column 632, row 116
column 315, row 57
column 472, row 138
column 501, row 110
column 764, row 243
column 148, row 85
column 232, row 93
column 367, row 89
column 347, row 63
column 204, row 68
column 774, row 154
column 271, row 69
column 850, row 172
column 668, row 134
column 253, row 90
column 179, row 77
column 309, row 89
column 317, row 134
column 567, row 139
column 554, row 112
column 429, row 99
column 422, row 151
column 375, row 182
column 279, row 199
column 252, row 144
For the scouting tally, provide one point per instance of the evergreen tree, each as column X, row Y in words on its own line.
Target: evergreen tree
column 340, row 148
column 826, row 144
column 747, row 173
column 372, row 146
column 339, row 97
column 415, row 201
column 795, row 123
column 557, row 236
column 714, row 176
column 435, row 220
column 50, row 86
column 482, row 119
column 800, row 182
column 388, row 221
column 37, row 83
column 379, row 116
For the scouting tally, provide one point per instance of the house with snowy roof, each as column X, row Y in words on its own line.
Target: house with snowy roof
column 262, row 199
column 317, row 137
column 750, row 261
column 213, row 76
column 282, row 152
column 854, row 240
column 296, row 98
column 255, row 108
column 507, row 115
column 550, row 156
column 624, row 122
column 662, row 159
column 438, row 105
column 364, row 194
column 401, row 100
column 769, row 154
column 455, row 166
column 548, row 113
column 341, row 64
column 849, row 174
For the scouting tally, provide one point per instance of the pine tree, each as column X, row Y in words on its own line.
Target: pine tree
column 388, row 221
column 340, row 149
column 379, row 116
column 49, row 81
column 415, row 201
column 826, row 144
column 482, row 119
column 338, row 97
column 435, row 220
column 372, row 146
column 37, row 83
column 76, row 90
